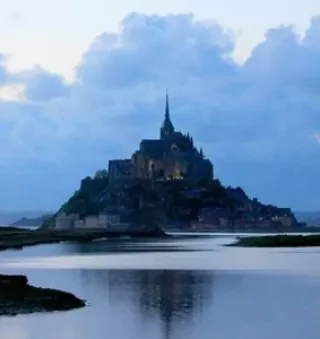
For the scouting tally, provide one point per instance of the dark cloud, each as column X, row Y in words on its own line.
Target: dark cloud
column 258, row 122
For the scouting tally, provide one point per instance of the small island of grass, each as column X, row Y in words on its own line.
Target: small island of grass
column 279, row 241
column 18, row 297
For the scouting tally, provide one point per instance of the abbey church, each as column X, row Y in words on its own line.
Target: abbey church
column 171, row 157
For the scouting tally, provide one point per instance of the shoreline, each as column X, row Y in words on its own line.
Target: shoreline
column 18, row 238
column 305, row 230
column 18, row 297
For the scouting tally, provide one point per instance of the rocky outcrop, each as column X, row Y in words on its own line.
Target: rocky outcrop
column 18, row 297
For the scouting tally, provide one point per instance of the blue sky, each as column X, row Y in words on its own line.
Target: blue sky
column 82, row 82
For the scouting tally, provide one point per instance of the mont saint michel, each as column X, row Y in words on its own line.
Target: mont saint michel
column 159, row 214
column 170, row 182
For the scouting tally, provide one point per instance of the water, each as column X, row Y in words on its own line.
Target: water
column 178, row 288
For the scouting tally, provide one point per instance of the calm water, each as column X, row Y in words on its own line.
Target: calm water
column 180, row 288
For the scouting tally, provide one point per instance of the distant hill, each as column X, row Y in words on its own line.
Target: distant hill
column 312, row 218
column 26, row 222
column 9, row 217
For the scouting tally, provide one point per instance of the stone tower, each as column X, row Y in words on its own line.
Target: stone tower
column 167, row 128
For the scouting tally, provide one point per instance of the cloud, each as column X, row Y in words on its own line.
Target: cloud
column 157, row 50
column 258, row 122
column 40, row 85
column 4, row 74
column 14, row 18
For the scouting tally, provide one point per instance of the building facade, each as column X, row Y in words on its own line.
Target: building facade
column 171, row 157
column 120, row 172
column 64, row 221
column 72, row 221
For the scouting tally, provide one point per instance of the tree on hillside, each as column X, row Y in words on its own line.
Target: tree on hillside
column 85, row 201
column 100, row 174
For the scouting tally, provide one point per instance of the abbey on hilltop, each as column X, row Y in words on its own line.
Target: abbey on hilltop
column 169, row 182
column 171, row 157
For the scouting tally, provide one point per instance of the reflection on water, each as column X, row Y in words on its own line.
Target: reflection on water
column 167, row 298
column 175, row 304
column 122, row 304
column 149, row 303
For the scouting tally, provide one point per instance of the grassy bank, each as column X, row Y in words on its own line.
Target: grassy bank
column 17, row 238
column 247, row 230
column 279, row 241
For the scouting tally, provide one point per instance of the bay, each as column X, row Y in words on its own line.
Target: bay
column 185, row 287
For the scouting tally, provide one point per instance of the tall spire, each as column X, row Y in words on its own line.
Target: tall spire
column 167, row 126
column 167, row 113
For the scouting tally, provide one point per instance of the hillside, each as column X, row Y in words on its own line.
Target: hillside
column 89, row 199
column 27, row 222
column 9, row 217
column 165, row 203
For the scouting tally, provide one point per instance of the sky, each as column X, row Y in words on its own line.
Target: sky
column 82, row 82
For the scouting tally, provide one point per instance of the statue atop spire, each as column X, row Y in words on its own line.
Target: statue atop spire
column 167, row 126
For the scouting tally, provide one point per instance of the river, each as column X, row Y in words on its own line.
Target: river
column 190, row 288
